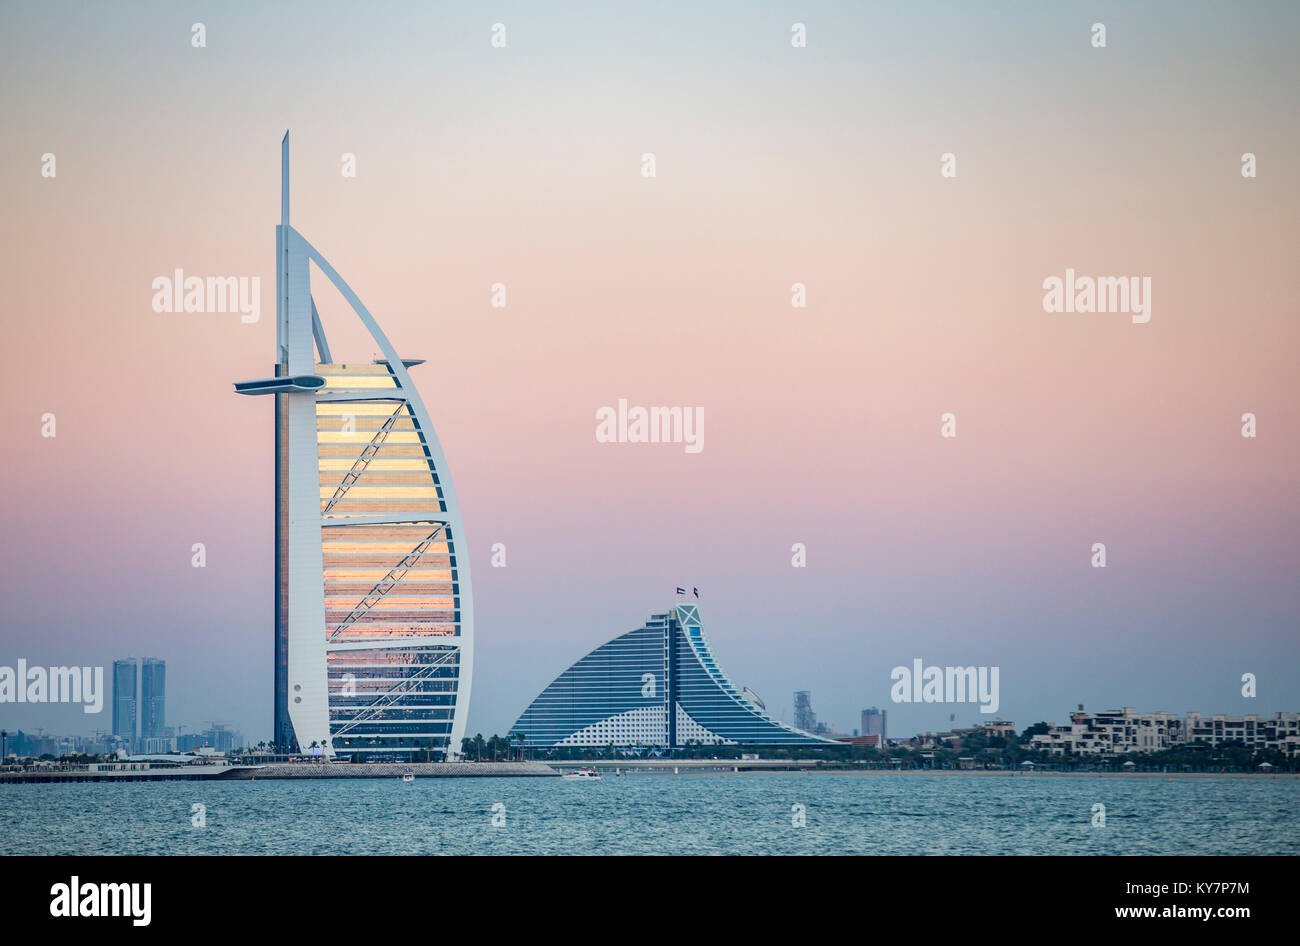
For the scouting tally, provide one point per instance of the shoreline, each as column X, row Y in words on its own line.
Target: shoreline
column 609, row 770
column 251, row 773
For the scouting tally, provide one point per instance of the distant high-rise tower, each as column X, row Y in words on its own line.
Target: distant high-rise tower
column 153, row 688
column 804, row 717
column 124, row 702
column 873, row 723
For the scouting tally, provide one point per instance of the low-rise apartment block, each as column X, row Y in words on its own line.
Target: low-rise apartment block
column 1126, row 730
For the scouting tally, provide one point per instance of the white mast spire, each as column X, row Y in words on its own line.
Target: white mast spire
column 284, row 180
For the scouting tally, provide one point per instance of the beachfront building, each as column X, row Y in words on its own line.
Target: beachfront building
column 1280, row 733
column 1126, row 730
column 656, row 686
column 1000, row 728
column 1110, row 732
column 374, row 620
column 874, row 740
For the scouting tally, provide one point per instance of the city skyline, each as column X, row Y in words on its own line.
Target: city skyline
column 924, row 296
column 1119, row 730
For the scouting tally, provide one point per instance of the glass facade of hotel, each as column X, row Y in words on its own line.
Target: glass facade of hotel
column 391, row 589
column 658, row 685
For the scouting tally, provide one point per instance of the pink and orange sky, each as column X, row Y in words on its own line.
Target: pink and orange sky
column 479, row 165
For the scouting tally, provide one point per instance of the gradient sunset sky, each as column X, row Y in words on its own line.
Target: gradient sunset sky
column 775, row 165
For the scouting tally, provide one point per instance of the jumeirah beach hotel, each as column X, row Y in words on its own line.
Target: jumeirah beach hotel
column 656, row 686
column 374, row 625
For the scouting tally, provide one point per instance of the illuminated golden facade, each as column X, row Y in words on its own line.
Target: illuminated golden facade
column 392, row 583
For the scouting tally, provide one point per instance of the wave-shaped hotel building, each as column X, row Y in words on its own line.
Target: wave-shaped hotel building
column 374, row 638
column 656, row 686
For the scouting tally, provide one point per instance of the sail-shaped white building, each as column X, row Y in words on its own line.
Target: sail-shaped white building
column 374, row 614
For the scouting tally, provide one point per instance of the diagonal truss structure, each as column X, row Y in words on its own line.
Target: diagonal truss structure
column 386, row 584
column 368, row 454
column 375, row 708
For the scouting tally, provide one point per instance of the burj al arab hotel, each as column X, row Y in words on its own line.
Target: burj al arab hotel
column 374, row 615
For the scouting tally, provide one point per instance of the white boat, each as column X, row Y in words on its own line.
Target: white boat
column 408, row 777
column 583, row 774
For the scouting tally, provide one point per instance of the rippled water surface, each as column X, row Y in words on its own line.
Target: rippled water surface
column 652, row 814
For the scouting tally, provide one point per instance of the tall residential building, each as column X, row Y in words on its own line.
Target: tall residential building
column 656, row 686
column 873, row 723
column 153, row 688
column 804, row 717
column 374, row 624
column 124, row 699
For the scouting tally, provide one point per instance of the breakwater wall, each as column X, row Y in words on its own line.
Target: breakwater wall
column 396, row 770
column 179, row 773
